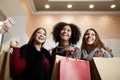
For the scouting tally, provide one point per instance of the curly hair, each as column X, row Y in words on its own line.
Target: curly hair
column 76, row 33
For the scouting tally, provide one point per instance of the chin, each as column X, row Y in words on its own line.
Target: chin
column 89, row 43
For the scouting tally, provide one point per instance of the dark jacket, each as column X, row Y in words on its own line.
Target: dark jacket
column 35, row 67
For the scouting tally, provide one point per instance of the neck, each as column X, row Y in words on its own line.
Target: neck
column 38, row 47
column 90, row 48
column 64, row 43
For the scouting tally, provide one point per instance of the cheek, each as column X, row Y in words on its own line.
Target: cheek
column 45, row 37
column 70, row 33
column 94, row 38
column 85, row 39
column 35, row 37
column 86, row 36
column 61, row 31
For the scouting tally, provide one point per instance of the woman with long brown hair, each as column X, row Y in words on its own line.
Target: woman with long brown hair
column 37, row 59
column 92, row 46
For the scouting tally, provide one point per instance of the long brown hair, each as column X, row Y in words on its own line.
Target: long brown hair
column 98, row 43
column 32, row 39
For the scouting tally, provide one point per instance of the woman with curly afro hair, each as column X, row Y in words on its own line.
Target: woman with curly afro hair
column 66, row 35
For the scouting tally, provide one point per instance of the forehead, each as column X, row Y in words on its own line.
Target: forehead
column 90, row 31
column 41, row 30
column 67, row 26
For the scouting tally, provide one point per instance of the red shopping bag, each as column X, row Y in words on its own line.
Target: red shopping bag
column 72, row 69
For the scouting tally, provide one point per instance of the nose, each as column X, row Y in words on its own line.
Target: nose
column 65, row 30
column 41, row 34
column 89, row 35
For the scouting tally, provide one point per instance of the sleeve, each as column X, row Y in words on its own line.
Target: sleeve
column 17, row 62
column 106, row 54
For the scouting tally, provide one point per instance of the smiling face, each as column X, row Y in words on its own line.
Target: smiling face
column 65, row 33
column 40, row 36
column 90, row 37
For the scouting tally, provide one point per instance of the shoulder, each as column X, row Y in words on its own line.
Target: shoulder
column 26, row 49
column 54, row 49
column 44, row 50
column 22, row 48
column 25, row 46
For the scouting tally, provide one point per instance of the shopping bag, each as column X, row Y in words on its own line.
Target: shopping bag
column 56, row 67
column 105, row 68
column 4, row 65
column 72, row 69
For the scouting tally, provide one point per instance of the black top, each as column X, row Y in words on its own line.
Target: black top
column 62, row 51
column 36, row 64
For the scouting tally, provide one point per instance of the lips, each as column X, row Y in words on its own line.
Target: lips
column 65, row 35
column 40, row 38
column 89, row 39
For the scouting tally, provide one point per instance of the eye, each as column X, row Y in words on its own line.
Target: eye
column 93, row 34
column 44, row 34
column 41, row 32
column 69, row 30
column 87, row 34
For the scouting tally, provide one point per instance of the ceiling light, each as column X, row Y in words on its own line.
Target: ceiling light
column 47, row 6
column 69, row 6
column 113, row 6
column 91, row 6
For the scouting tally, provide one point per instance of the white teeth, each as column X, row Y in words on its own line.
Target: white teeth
column 65, row 34
column 40, row 38
column 89, row 39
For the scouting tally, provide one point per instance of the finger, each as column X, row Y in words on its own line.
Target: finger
column 11, row 45
column 16, row 42
column 96, row 54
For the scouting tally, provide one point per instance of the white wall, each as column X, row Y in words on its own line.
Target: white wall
column 14, row 9
column 113, row 44
column 17, row 32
